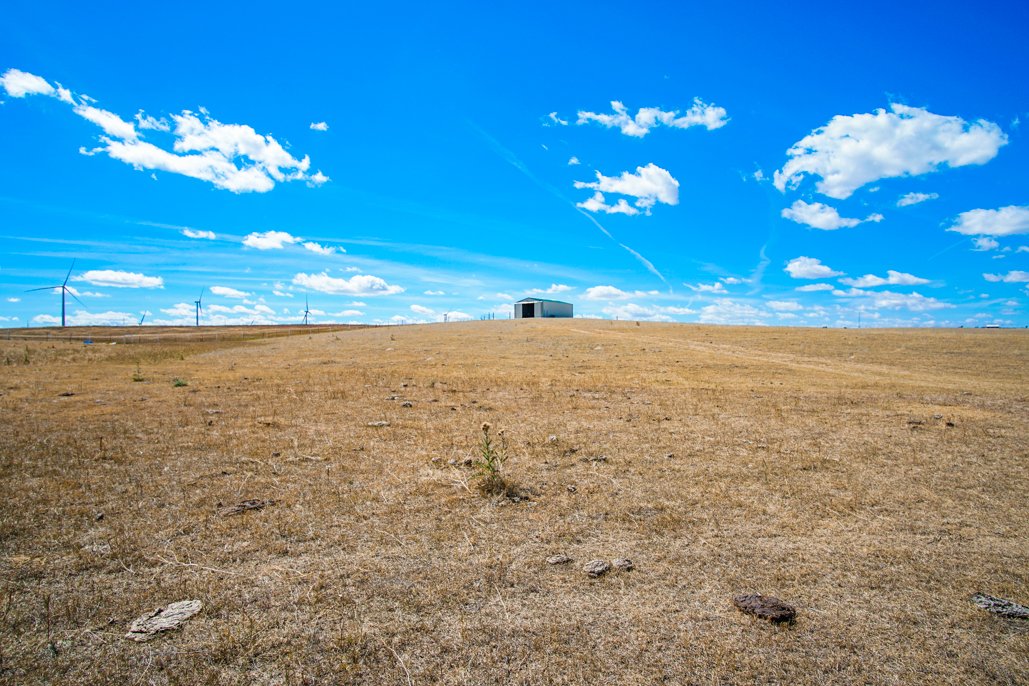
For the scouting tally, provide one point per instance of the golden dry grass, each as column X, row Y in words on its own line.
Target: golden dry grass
column 874, row 479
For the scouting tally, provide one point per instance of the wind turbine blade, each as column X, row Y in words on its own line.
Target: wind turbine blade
column 201, row 298
column 76, row 298
column 44, row 288
column 69, row 273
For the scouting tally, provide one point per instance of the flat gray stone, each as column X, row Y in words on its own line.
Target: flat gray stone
column 163, row 619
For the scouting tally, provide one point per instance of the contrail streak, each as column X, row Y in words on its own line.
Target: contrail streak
column 513, row 160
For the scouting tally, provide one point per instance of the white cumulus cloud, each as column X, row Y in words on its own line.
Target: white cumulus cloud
column 853, row 150
column 80, row 318
column 649, row 185
column 111, row 123
column 893, row 278
column 785, row 305
column 322, row 249
column 821, row 216
column 1006, row 221
column 232, row 157
column 118, row 279
column 18, row 84
column 598, row 203
column 1010, row 277
column 728, row 311
column 270, row 240
column 700, row 114
column 810, row 268
column 319, row 126
column 227, row 292
column 653, row 313
column 554, row 289
column 360, row 284
column 613, row 293
column 889, row 300
column 421, row 309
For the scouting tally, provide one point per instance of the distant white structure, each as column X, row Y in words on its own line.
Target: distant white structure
column 538, row 307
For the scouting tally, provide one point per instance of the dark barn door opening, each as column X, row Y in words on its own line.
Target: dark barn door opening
column 528, row 310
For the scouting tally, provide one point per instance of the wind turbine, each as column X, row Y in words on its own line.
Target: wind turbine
column 64, row 291
column 307, row 310
column 199, row 303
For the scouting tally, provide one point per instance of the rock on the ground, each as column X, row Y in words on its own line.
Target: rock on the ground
column 558, row 560
column 597, row 568
column 623, row 563
column 163, row 619
column 1000, row 606
column 765, row 607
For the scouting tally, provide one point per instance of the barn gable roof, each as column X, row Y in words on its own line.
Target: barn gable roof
column 542, row 300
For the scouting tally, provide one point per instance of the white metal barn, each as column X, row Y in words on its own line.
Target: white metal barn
column 538, row 307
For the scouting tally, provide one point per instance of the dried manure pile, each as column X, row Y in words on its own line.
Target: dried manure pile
column 518, row 502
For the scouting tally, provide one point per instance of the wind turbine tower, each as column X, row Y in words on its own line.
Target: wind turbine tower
column 199, row 303
column 307, row 310
column 65, row 291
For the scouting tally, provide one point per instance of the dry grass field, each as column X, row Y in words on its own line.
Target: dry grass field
column 874, row 479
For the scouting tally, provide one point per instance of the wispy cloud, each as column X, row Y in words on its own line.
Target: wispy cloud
column 915, row 198
column 513, row 160
column 192, row 233
column 893, row 278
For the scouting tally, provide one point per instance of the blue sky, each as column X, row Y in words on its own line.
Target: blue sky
column 738, row 164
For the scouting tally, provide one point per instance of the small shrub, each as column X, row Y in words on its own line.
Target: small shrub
column 179, row 383
column 137, row 375
column 492, row 454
